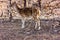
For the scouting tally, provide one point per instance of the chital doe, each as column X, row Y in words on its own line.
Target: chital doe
column 32, row 13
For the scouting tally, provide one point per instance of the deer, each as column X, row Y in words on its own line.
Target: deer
column 29, row 13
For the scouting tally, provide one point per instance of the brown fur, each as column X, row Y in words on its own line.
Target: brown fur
column 26, row 12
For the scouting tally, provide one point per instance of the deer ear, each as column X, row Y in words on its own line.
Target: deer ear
column 13, row 4
column 18, row 6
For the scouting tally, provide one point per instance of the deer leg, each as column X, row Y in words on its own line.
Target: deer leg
column 39, row 27
column 36, row 25
column 23, row 23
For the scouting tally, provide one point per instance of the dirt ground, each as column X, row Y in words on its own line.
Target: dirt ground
column 12, row 30
column 10, row 22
